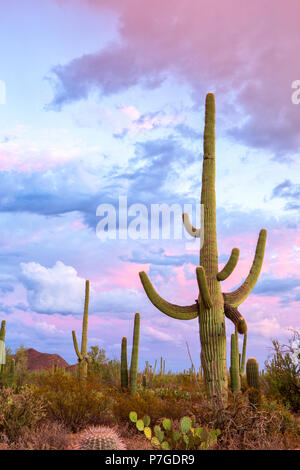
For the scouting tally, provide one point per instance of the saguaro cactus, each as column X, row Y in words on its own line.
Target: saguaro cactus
column 243, row 361
column 212, row 306
column 124, row 367
column 252, row 372
column 234, row 364
column 135, row 353
column 2, row 346
column 134, row 358
column 237, row 361
column 82, row 356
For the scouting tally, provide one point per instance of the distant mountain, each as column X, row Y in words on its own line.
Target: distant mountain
column 39, row 361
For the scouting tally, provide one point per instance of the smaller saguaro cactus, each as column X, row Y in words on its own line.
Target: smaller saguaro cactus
column 252, row 372
column 237, row 361
column 134, row 358
column 234, row 364
column 83, row 359
column 243, row 359
column 135, row 353
column 124, row 366
column 2, row 346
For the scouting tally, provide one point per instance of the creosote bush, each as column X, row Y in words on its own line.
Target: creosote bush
column 245, row 428
column 73, row 402
column 19, row 411
column 148, row 403
column 48, row 435
column 282, row 378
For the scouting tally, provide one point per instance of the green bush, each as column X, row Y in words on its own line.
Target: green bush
column 19, row 411
column 146, row 402
column 73, row 402
column 282, row 378
column 108, row 370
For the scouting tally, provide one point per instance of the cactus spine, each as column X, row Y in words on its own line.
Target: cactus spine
column 124, row 367
column 212, row 305
column 83, row 359
column 135, row 353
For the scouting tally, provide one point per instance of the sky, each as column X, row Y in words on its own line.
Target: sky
column 105, row 99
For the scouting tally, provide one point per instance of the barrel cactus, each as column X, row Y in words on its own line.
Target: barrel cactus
column 99, row 438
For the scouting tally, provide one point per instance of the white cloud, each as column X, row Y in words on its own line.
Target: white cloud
column 149, row 331
column 268, row 327
column 60, row 290
column 53, row 290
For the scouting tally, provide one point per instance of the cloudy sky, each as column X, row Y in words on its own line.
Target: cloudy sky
column 105, row 98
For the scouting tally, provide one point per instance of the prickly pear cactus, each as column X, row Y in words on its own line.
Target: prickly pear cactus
column 99, row 438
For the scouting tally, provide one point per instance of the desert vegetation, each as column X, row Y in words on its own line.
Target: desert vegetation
column 55, row 409
column 114, row 404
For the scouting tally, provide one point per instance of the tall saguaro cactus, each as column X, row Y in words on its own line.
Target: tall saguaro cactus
column 82, row 356
column 212, row 305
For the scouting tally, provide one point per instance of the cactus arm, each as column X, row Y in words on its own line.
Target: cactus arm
column 237, row 319
column 229, row 266
column 175, row 311
column 191, row 230
column 243, row 362
column 203, row 287
column 76, row 346
column 236, row 297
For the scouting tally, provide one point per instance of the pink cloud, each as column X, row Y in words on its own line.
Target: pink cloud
column 243, row 50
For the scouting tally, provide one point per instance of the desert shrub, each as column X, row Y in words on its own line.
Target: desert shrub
column 73, row 402
column 47, row 435
column 108, row 370
column 19, row 411
column 245, row 428
column 282, row 377
column 146, row 402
